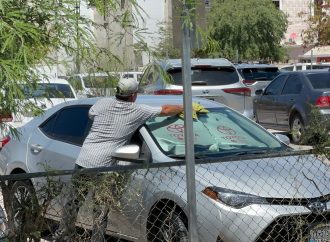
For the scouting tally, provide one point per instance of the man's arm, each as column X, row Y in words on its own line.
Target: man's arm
column 171, row 110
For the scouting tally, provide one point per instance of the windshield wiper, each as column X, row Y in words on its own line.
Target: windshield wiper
column 182, row 156
column 243, row 152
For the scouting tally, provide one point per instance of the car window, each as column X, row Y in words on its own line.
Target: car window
column 69, row 125
column 210, row 76
column 48, row 90
column 298, row 68
column 275, row 87
column 260, row 74
column 287, row 68
column 320, row 66
column 319, row 80
column 148, row 76
column 219, row 132
column 128, row 75
column 293, row 85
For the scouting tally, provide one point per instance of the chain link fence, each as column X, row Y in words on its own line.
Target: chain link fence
column 258, row 198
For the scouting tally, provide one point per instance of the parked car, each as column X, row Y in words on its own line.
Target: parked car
column 214, row 79
column 94, row 84
column 304, row 66
column 47, row 93
column 286, row 102
column 249, row 198
column 257, row 76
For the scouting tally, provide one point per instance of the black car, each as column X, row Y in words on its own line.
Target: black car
column 286, row 103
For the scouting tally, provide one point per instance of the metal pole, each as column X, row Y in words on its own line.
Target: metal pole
column 311, row 59
column 189, row 132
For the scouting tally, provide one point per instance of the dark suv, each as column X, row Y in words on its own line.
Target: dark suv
column 257, row 76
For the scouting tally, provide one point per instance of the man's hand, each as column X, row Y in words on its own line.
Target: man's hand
column 171, row 110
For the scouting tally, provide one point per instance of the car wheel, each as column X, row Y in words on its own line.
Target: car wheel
column 25, row 211
column 168, row 227
column 296, row 129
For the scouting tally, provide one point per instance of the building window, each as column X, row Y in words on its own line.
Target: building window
column 277, row 4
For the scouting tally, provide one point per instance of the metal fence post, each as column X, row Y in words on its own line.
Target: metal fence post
column 189, row 132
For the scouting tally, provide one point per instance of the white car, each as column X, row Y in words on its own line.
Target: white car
column 250, row 186
column 94, row 84
column 49, row 92
column 215, row 79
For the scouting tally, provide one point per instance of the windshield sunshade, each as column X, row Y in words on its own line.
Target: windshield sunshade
column 217, row 133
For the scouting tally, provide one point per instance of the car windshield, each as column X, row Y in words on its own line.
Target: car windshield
column 259, row 74
column 206, row 75
column 320, row 80
column 48, row 90
column 101, row 81
column 220, row 132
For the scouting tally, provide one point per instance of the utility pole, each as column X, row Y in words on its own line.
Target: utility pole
column 188, row 125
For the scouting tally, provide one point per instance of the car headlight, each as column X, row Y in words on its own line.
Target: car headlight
column 233, row 198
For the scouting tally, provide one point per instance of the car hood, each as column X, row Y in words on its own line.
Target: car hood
column 303, row 176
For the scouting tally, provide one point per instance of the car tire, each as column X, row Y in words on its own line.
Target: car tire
column 168, row 226
column 25, row 211
column 297, row 129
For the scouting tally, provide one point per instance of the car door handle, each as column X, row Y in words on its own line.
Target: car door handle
column 292, row 100
column 36, row 148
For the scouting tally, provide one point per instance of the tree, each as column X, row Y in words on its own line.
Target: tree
column 32, row 31
column 165, row 47
column 318, row 31
column 247, row 29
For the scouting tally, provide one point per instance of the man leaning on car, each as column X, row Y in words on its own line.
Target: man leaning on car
column 114, row 122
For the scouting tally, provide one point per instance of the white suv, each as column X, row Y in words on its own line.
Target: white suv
column 214, row 79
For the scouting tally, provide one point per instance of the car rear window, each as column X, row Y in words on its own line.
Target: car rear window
column 208, row 76
column 259, row 74
column 49, row 90
column 319, row 80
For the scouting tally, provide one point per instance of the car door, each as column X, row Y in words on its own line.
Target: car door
column 288, row 98
column 266, row 104
column 56, row 143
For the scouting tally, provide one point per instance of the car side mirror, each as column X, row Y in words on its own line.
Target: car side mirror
column 126, row 152
column 283, row 138
column 259, row 91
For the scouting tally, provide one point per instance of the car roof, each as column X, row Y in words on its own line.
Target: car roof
column 151, row 100
column 174, row 63
column 312, row 71
column 54, row 80
column 251, row 65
